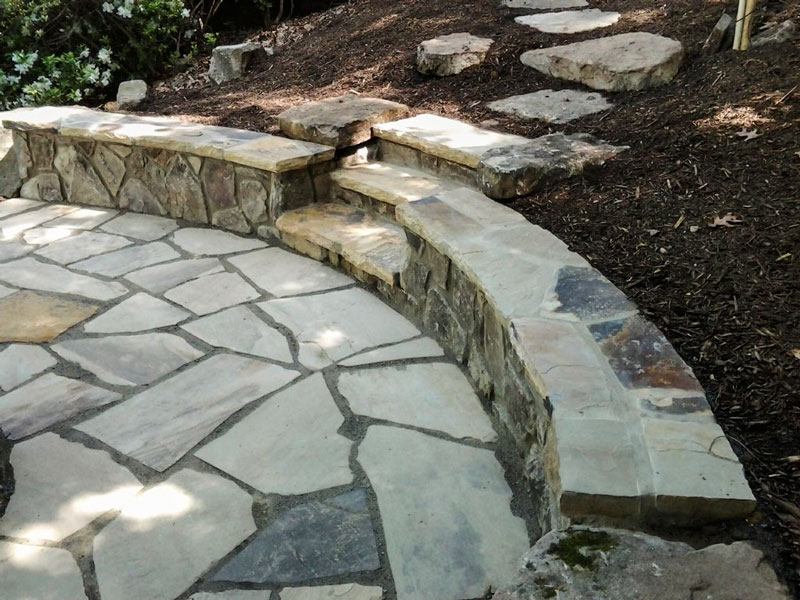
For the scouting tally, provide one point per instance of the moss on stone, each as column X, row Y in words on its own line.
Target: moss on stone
column 576, row 550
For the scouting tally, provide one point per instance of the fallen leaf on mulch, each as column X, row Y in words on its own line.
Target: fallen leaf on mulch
column 748, row 134
column 728, row 220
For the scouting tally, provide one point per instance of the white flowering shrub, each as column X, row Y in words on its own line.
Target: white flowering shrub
column 65, row 51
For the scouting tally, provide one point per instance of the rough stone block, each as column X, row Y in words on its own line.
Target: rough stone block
column 451, row 54
column 131, row 94
column 230, row 62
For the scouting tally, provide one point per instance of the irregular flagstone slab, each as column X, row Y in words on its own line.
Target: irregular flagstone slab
column 126, row 260
column 140, row 312
column 13, row 226
column 551, row 106
column 61, row 487
column 582, row 293
column 435, row 494
column 545, row 4
column 240, row 330
column 159, row 278
column 570, row 21
column 13, row 206
column 340, row 323
column 345, row 591
column 505, row 173
column 288, row 445
column 158, row 426
column 84, row 218
column 39, row 572
column 446, row 138
column 32, row 274
column 129, row 359
column 629, row 61
column 282, row 273
column 48, row 400
column 339, row 122
column 141, row 227
column 233, row 595
column 311, row 540
column 6, row 291
column 451, row 54
column 421, row 348
column 81, row 246
column 30, row 317
column 389, row 183
column 433, row 396
column 20, row 362
column 167, row 537
column 213, row 242
column 46, row 235
column 14, row 249
column 212, row 293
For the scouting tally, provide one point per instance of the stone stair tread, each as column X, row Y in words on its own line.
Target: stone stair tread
column 445, row 138
column 389, row 183
column 376, row 246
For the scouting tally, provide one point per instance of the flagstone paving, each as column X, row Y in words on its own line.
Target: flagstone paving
column 205, row 416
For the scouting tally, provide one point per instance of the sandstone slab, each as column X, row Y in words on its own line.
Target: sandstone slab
column 140, row 312
column 339, row 122
column 120, row 262
column 211, row 293
column 419, row 348
column 551, row 106
column 20, row 362
column 140, row 227
column 159, row 278
column 39, row 572
column 451, row 54
column 628, row 61
column 278, row 154
column 212, row 242
column 79, row 247
column 570, row 21
column 389, row 183
column 30, row 317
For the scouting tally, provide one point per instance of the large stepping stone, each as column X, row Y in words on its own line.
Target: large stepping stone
column 506, row 173
column 629, row 61
column 167, row 537
column 435, row 495
column 451, row 54
column 340, row 122
column 31, row 317
column 39, row 572
column 545, row 4
column 551, row 106
column 570, row 21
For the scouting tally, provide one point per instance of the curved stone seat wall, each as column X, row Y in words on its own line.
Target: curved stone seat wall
column 614, row 424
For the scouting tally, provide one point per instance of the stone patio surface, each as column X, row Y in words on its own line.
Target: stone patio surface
column 203, row 416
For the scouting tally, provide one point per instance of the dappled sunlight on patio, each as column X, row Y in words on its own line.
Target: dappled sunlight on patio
column 165, row 502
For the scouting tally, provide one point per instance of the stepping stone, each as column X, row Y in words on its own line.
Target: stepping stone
column 629, row 61
column 11, row 250
column 32, row 274
column 506, row 173
column 30, row 317
column 13, row 206
column 129, row 359
column 19, row 362
column 432, row 396
column 140, row 312
column 212, row 293
column 434, row 494
column 288, row 445
column 339, row 122
column 316, row 539
column 560, row 106
column 124, row 261
column 421, row 348
column 61, row 487
column 451, row 54
column 282, row 273
column 340, row 323
column 545, row 4
column 346, row 591
column 46, row 401
column 167, row 537
column 84, row 218
column 39, row 572
column 81, row 246
column 570, row 21
column 140, row 227
column 452, row 140
column 160, row 278
column 238, row 329
column 389, row 183
column 13, row 226
column 212, row 242
column 159, row 425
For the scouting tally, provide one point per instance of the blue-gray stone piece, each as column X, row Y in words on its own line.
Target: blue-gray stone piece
column 311, row 540
column 585, row 293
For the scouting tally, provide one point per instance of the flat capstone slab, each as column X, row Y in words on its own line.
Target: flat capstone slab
column 552, row 106
column 339, row 122
column 451, row 54
column 625, row 62
column 570, row 21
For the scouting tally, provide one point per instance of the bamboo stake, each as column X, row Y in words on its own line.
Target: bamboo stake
column 748, row 24
column 737, row 36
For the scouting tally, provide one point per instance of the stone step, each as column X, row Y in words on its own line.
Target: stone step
column 365, row 245
column 379, row 187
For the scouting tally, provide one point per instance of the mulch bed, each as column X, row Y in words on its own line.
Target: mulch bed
column 727, row 297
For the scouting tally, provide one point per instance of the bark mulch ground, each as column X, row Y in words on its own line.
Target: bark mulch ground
column 722, row 138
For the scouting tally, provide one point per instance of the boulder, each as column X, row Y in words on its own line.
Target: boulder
column 783, row 32
column 451, row 54
column 230, row 62
column 131, row 94
column 629, row 61
column 612, row 564
column 10, row 181
column 505, row 173
column 6, row 473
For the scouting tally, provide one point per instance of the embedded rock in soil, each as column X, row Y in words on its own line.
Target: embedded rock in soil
column 552, row 106
column 716, row 38
column 451, row 54
column 131, row 94
column 783, row 32
column 611, row 564
column 9, row 166
column 6, row 473
column 629, row 61
column 505, row 173
column 230, row 62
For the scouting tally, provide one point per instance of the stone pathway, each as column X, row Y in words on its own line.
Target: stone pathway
column 204, row 416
